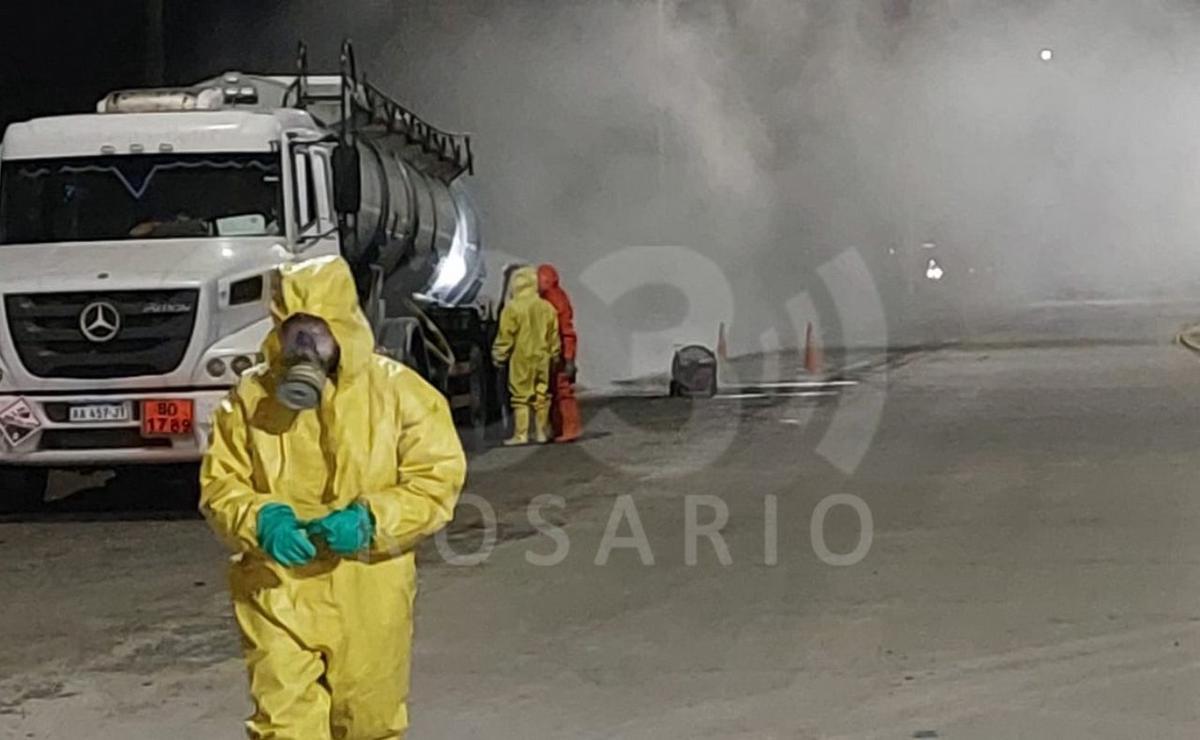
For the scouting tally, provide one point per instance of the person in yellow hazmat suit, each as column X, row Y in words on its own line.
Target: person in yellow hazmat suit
column 327, row 465
column 528, row 341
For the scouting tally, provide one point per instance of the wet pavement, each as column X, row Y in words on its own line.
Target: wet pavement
column 1005, row 546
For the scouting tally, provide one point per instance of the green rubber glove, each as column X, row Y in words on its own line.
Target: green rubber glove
column 347, row 531
column 281, row 536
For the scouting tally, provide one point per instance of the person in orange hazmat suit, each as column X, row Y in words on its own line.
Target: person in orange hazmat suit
column 568, row 425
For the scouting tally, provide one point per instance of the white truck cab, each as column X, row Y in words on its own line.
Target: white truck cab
column 136, row 249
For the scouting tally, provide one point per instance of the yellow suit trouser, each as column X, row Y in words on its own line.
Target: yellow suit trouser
column 327, row 647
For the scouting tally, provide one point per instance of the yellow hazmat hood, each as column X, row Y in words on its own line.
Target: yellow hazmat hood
column 523, row 283
column 322, row 287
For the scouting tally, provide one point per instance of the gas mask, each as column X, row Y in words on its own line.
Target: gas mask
column 310, row 356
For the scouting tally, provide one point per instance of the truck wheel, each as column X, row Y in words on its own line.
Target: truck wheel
column 474, row 419
column 22, row 489
column 503, row 405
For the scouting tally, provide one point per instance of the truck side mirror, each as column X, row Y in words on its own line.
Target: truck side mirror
column 347, row 187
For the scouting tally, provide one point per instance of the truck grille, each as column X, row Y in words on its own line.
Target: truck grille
column 98, row 439
column 154, row 329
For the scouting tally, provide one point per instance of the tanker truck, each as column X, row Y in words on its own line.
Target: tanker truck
column 137, row 246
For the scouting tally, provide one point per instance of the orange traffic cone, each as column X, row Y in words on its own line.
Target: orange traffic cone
column 814, row 357
column 722, row 347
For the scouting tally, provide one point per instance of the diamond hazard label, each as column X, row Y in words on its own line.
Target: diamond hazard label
column 17, row 422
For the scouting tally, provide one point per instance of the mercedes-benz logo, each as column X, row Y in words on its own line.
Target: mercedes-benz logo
column 100, row 322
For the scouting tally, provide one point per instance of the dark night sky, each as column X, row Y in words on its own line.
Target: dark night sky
column 63, row 56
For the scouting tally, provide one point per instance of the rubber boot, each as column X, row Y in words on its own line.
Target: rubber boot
column 542, row 420
column 520, row 435
column 572, row 426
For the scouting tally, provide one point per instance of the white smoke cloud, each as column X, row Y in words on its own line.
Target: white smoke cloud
column 769, row 136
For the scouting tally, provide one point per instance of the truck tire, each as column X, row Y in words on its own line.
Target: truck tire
column 503, row 406
column 22, row 489
column 472, row 421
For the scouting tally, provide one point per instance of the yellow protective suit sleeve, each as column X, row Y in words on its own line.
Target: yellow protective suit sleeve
column 432, row 471
column 506, row 336
column 228, row 498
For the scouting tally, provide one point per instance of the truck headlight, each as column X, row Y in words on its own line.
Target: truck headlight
column 216, row 367
column 241, row 364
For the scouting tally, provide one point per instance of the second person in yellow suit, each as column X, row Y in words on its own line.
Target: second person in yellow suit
column 327, row 466
column 528, row 341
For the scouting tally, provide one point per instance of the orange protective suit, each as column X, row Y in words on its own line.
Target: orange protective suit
column 568, row 425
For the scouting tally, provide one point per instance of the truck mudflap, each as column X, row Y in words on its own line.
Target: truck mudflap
column 70, row 430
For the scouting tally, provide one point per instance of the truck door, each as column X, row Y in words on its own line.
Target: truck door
column 314, row 227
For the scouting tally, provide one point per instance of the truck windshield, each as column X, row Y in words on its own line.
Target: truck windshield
column 151, row 196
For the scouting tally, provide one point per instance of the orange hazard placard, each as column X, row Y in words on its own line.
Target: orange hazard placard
column 167, row 418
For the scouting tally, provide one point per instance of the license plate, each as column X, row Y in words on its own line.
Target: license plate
column 99, row 413
column 169, row 418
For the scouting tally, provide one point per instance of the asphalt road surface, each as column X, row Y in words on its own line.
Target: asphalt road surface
column 1006, row 546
